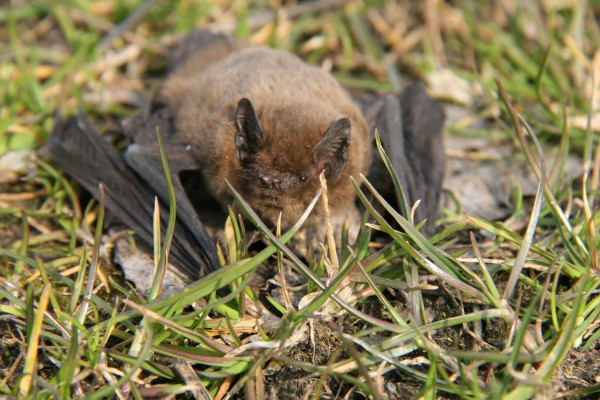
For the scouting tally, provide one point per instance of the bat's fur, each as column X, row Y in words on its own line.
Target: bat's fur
column 309, row 124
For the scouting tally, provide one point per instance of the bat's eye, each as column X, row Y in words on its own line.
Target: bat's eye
column 303, row 178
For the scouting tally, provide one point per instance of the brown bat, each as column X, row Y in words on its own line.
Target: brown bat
column 269, row 124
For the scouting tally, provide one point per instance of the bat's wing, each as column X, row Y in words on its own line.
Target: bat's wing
column 194, row 53
column 410, row 127
column 200, row 48
column 423, row 121
column 81, row 152
column 145, row 159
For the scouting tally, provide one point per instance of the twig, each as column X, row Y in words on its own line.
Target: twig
column 127, row 24
column 262, row 18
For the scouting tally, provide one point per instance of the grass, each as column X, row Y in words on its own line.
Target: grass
column 480, row 310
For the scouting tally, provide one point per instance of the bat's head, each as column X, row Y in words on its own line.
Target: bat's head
column 282, row 158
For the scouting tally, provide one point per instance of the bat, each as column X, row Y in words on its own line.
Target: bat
column 267, row 123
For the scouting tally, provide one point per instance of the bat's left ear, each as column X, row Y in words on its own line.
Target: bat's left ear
column 332, row 151
column 249, row 136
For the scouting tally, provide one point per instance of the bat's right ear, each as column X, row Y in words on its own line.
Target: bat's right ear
column 249, row 136
column 332, row 151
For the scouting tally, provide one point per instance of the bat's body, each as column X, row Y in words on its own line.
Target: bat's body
column 267, row 123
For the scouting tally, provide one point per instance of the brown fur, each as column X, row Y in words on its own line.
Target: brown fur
column 295, row 103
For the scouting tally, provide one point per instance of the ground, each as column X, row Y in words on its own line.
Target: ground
column 501, row 302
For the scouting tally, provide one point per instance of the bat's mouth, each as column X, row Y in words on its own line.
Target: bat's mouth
column 275, row 201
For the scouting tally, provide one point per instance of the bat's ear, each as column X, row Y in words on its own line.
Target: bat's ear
column 331, row 153
column 249, row 136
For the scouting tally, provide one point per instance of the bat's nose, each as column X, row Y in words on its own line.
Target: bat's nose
column 269, row 181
